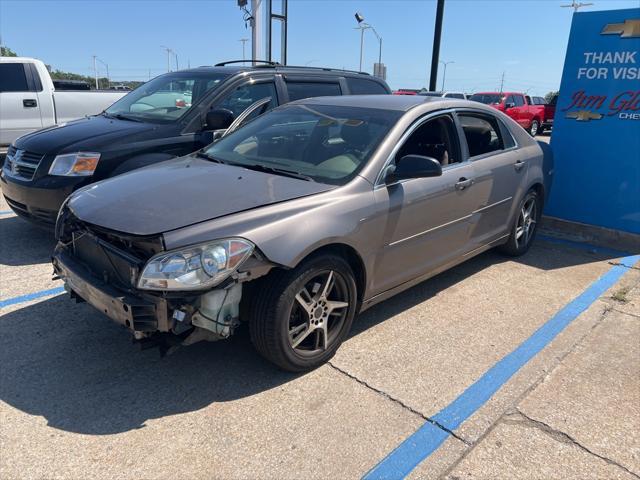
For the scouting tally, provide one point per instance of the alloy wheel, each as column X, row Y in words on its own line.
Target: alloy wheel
column 318, row 313
column 527, row 220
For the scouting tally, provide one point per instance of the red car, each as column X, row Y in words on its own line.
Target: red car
column 549, row 111
column 515, row 104
column 406, row 91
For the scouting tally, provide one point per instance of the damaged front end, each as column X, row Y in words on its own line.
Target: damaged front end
column 165, row 299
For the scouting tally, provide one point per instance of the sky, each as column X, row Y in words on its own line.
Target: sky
column 524, row 39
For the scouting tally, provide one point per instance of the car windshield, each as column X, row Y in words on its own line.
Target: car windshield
column 487, row 98
column 166, row 98
column 327, row 144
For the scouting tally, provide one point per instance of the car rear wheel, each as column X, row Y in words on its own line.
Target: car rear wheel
column 524, row 227
column 300, row 317
column 533, row 129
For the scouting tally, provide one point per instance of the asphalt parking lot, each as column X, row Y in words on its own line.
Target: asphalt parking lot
column 78, row 400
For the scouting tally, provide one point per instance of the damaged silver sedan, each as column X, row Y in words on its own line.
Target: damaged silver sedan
column 300, row 219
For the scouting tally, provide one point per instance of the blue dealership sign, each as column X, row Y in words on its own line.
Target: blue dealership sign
column 596, row 132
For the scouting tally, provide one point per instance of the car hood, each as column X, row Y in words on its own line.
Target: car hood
column 90, row 133
column 182, row 192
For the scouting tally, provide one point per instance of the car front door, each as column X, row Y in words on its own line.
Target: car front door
column 499, row 174
column 424, row 222
column 524, row 114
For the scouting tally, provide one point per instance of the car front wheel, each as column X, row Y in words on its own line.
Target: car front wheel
column 533, row 130
column 524, row 227
column 301, row 316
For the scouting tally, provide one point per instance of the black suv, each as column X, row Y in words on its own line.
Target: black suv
column 167, row 117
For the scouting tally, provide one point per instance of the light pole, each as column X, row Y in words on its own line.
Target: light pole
column 107, row 67
column 444, row 72
column 244, row 42
column 95, row 71
column 362, row 26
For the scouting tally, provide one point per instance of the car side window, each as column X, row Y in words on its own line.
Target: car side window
column 246, row 95
column 13, row 78
column 436, row 138
column 362, row 86
column 519, row 100
column 482, row 133
column 299, row 90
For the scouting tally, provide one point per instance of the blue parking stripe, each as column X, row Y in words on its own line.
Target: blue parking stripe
column 31, row 296
column 426, row 440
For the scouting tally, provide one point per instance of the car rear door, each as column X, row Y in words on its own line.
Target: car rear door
column 499, row 174
column 424, row 222
column 19, row 109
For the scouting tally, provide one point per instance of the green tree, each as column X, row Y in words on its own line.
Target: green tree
column 7, row 52
column 550, row 95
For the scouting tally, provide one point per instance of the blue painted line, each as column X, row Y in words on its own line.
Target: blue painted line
column 31, row 296
column 426, row 440
column 583, row 246
column 6, row 212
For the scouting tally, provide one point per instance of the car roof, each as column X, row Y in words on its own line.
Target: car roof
column 401, row 103
column 239, row 68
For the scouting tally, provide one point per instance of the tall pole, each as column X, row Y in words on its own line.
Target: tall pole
column 501, row 82
column 244, row 42
column 169, row 52
column 362, row 29
column 95, row 72
column 176, row 55
column 435, row 56
column 444, row 72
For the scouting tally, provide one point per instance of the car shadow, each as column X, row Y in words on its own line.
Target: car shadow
column 73, row 366
column 23, row 243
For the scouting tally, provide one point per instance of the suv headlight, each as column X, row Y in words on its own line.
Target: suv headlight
column 80, row 164
column 195, row 268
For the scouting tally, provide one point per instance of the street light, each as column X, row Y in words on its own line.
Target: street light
column 444, row 72
column 107, row 67
column 169, row 52
column 362, row 26
column 244, row 42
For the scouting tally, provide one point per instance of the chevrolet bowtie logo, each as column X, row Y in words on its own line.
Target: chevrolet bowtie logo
column 584, row 115
column 628, row 29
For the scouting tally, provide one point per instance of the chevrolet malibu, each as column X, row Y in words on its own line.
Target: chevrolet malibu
column 300, row 219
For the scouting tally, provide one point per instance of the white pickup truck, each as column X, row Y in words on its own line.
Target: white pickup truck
column 29, row 100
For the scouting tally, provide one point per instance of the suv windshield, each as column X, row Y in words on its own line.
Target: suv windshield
column 166, row 98
column 328, row 144
column 487, row 98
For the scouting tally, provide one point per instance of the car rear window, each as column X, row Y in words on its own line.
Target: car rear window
column 299, row 90
column 13, row 78
column 363, row 86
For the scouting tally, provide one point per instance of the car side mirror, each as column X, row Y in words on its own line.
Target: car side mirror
column 413, row 166
column 218, row 119
column 509, row 105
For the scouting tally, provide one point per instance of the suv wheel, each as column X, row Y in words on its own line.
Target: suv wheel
column 300, row 317
column 524, row 227
column 533, row 129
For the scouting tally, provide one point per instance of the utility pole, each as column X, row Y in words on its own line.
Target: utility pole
column 169, row 52
column 435, row 56
column 444, row 73
column 176, row 55
column 95, row 72
column 244, row 42
column 501, row 82
column 576, row 5
column 107, row 67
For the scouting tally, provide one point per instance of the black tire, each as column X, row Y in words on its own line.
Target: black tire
column 276, row 306
column 515, row 245
column 534, row 129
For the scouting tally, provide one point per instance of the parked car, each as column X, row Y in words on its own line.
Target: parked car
column 167, row 117
column 548, row 111
column 459, row 95
column 514, row 104
column 31, row 100
column 300, row 219
column 406, row 91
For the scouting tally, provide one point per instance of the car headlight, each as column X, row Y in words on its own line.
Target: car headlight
column 195, row 268
column 80, row 164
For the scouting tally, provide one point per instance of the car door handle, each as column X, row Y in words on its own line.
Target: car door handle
column 518, row 165
column 464, row 183
column 29, row 103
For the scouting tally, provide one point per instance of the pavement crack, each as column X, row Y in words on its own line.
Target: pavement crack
column 620, row 264
column 401, row 403
column 516, row 416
